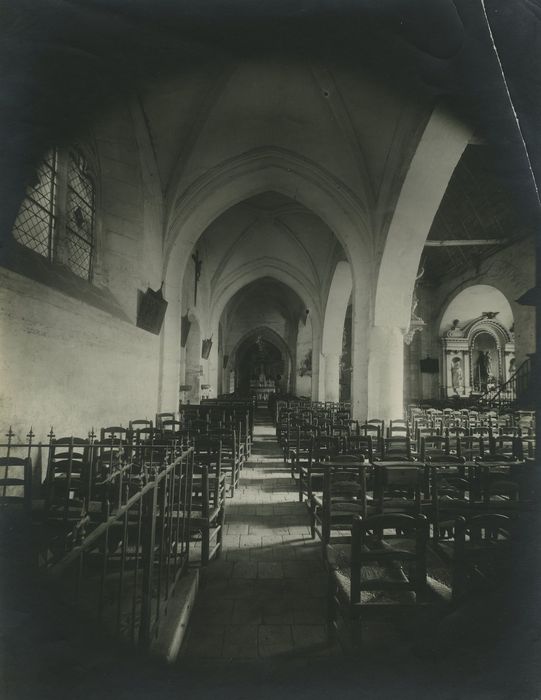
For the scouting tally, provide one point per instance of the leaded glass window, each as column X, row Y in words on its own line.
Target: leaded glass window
column 79, row 216
column 35, row 223
column 56, row 219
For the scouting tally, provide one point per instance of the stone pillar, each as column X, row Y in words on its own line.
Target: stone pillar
column 213, row 371
column 360, row 336
column 386, row 373
column 171, row 366
column 467, row 373
column 332, row 377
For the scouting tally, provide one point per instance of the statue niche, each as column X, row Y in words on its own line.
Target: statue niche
column 477, row 356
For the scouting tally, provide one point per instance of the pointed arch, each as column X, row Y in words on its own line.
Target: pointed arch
column 442, row 144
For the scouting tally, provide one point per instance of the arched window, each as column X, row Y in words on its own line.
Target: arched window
column 56, row 219
column 36, row 221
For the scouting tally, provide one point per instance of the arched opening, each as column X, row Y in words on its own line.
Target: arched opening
column 264, row 310
column 305, row 356
column 199, row 209
column 262, row 263
column 259, row 368
column 440, row 148
column 477, row 338
column 486, row 370
column 346, row 358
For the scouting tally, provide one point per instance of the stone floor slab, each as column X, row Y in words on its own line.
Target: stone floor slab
column 266, row 596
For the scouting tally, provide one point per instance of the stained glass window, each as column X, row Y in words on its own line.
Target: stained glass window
column 35, row 223
column 79, row 216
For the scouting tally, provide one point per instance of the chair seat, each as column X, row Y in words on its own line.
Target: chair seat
column 338, row 557
column 353, row 506
column 400, row 503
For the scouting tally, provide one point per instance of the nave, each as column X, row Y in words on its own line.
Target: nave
column 265, row 596
column 260, row 616
column 269, row 316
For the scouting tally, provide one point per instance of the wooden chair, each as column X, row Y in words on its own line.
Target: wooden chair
column 302, row 459
column 456, row 431
column 359, row 445
column 69, row 489
column 377, row 423
column 163, row 416
column 208, row 497
column 115, row 432
column 434, row 445
column 471, row 448
column 109, row 456
column 482, row 553
column 504, row 481
column 377, row 572
column 170, row 427
column 507, row 447
column 372, row 430
column 451, row 497
column 231, row 456
column 344, row 496
column 68, row 484
column 395, row 448
column 15, row 483
column 327, row 446
column 398, row 487
column 354, row 427
column 289, row 443
column 140, row 424
column 398, row 428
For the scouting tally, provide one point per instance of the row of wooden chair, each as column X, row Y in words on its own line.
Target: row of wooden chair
column 88, row 478
column 456, row 492
column 345, row 486
column 304, row 450
column 382, row 568
column 378, row 523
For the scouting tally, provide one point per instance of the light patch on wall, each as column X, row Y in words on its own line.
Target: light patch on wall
column 472, row 302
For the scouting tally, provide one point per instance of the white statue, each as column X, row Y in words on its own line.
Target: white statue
column 457, row 376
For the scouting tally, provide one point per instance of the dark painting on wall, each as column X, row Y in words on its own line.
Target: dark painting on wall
column 430, row 365
column 151, row 311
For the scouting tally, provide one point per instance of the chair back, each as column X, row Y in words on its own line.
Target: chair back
column 482, row 552
column 389, row 543
column 15, row 482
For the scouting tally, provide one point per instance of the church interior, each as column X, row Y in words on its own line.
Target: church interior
column 268, row 297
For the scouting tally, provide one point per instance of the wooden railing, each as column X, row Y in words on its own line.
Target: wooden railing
column 511, row 391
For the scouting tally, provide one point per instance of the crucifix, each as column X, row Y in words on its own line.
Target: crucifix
column 197, row 262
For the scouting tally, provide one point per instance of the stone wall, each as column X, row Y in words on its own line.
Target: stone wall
column 71, row 356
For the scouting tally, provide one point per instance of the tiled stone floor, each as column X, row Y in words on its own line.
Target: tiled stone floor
column 265, row 596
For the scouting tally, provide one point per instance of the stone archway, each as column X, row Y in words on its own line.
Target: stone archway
column 440, row 149
column 237, row 179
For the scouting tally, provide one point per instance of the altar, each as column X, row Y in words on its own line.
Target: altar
column 262, row 388
column 478, row 356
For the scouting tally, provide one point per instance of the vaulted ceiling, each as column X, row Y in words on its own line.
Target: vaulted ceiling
column 360, row 128
column 271, row 230
column 355, row 78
